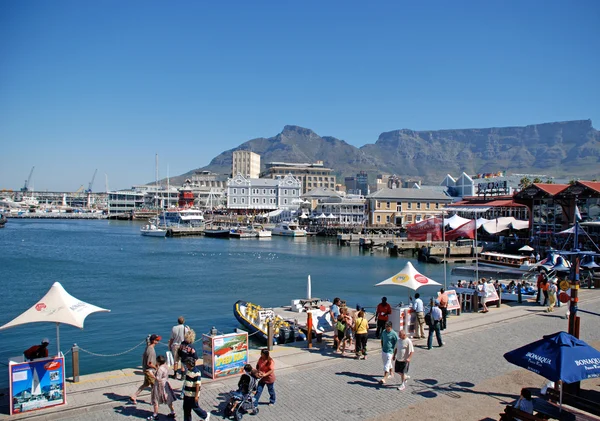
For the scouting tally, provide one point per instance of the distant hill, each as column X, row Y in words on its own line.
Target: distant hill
column 566, row 149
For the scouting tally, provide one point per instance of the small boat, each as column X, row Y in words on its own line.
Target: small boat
column 182, row 217
column 255, row 318
column 2, row 220
column 217, row 232
column 288, row 229
column 491, row 258
column 151, row 230
column 263, row 233
column 243, row 232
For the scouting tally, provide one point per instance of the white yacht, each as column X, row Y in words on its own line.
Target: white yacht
column 151, row 230
column 186, row 217
column 288, row 229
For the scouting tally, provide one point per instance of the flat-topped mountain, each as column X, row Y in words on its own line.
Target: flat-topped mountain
column 562, row 149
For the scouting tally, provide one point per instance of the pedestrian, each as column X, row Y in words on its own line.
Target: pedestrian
column 402, row 354
column 340, row 331
column 444, row 307
column 334, row 310
column 192, row 384
column 389, row 339
column 381, row 315
column 481, row 291
column 361, row 331
column 419, row 307
column 266, row 373
column 545, row 285
column 552, row 295
column 349, row 331
column 37, row 351
column 148, row 366
column 436, row 320
column 539, row 281
column 177, row 337
column 187, row 350
column 162, row 393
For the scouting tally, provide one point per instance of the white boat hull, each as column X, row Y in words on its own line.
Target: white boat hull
column 153, row 231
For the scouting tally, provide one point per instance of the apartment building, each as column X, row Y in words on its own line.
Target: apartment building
column 310, row 176
column 246, row 163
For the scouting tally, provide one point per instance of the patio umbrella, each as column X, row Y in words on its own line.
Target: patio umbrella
column 559, row 356
column 410, row 278
column 526, row 248
column 56, row 306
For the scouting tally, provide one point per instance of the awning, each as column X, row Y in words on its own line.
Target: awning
column 472, row 209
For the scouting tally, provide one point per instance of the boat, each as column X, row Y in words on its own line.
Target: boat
column 288, row 229
column 217, row 232
column 263, row 233
column 187, row 217
column 2, row 220
column 255, row 318
column 151, row 230
column 493, row 258
column 243, row 232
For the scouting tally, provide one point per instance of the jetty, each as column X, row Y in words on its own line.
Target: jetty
column 466, row 379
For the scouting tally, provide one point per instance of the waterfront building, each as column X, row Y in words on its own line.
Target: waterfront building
column 125, row 201
column 208, row 188
column 249, row 194
column 310, row 175
column 403, row 206
column 346, row 209
column 460, row 187
column 246, row 163
column 142, row 197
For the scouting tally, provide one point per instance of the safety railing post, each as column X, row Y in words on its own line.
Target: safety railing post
column 75, row 362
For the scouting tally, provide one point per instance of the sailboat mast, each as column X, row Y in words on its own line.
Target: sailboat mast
column 156, row 181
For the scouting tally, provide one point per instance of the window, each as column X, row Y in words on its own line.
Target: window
column 378, row 204
column 399, row 207
column 234, row 191
column 264, row 200
column 427, row 205
column 285, row 201
column 234, row 200
column 378, row 218
column 418, row 205
column 264, row 191
column 409, row 218
column 387, row 219
column 387, row 204
column 437, row 205
column 243, row 201
column 409, row 205
column 285, row 192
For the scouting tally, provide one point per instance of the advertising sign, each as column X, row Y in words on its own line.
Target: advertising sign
column 224, row 355
column 427, row 230
column 37, row 384
column 453, row 303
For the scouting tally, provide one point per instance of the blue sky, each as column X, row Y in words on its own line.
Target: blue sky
column 106, row 85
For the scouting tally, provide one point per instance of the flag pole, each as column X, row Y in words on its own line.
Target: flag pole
column 475, row 250
column 445, row 247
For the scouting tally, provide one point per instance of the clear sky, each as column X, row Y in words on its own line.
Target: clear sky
column 106, row 85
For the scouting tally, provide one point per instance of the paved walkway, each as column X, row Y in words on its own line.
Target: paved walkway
column 315, row 384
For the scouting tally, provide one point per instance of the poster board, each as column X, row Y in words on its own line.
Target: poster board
column 453, row 302
column 490, row 292
column 224, row 355
column 36, row 384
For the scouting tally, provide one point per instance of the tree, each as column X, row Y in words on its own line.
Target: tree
column 524, row 183
column 537, row 180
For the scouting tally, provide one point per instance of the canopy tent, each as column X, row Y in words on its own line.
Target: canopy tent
column 519, row 225
column 56, row 306
column 526, row 248
column 571, row 231
column 408, row 277
column 322, row 216
column 481, row 221
column 331, row 216
column 497, row 225
column 558, row 357
column 303, row 216
column 455, row 221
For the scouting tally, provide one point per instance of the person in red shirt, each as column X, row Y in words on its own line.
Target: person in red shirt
column 382, row 313
column 37, row 351
column 266, row 373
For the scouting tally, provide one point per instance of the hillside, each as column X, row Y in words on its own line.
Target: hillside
column 565, row 149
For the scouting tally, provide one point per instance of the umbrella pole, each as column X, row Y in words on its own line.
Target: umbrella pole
column 560, row 383
column 57, row 339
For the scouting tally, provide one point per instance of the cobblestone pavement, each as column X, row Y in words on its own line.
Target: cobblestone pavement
column 348, row 389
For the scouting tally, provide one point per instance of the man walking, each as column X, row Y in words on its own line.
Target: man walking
column 177, row 337
column 192, row 384
column 420, row 309
column 436, row 320
column 148, row 365
column 389, row 339
column 402, row 354
column 444, row 307
column 382, row 314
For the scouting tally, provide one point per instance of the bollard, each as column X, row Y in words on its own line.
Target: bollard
column 75, row 361
column 270, row 335
column 499, row 292
column 309, row 329
column 460, row 300
column 519, row 296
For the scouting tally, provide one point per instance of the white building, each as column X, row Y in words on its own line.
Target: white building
column 246, row 163
column 263, row 193
column 347, row 209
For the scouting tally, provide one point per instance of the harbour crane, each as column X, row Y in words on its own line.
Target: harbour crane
column 26, row 186
column 89, row 190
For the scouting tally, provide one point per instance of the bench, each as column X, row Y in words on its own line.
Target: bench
column 510, row 413
column 574, row 401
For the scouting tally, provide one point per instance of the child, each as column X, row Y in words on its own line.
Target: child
column 248, row 380
column 191, row 391
column 161, row 389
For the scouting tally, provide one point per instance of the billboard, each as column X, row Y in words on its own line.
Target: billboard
column 37, row 384
column 224, row 355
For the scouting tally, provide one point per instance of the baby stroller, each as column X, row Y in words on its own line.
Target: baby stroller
column 241, row 401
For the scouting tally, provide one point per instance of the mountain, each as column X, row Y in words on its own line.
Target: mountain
column 569, row 149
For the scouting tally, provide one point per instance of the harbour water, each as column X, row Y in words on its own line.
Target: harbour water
column 148, row 282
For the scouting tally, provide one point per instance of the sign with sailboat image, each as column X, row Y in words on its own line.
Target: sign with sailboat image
column 37, row 384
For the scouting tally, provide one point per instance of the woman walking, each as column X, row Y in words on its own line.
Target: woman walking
column 187, row 350
column 161, row 389
column 552, row 295
column 266, row 373
column 361, row 328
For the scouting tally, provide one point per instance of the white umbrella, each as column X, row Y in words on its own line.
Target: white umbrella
column 409, row 277
column 331, row 216
column 322, row 216
column 526, row 248
column 303, row 216
column 56, row 306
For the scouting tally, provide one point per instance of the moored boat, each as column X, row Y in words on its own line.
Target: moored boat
column 243, row 232
column 217, row 232
column 255, row 319
column 288, row 229
column 151, row 230
column 182, row 217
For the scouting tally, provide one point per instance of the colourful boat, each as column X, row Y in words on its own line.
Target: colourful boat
column 255, row 318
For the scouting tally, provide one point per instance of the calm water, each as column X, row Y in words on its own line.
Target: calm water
column 148, row 282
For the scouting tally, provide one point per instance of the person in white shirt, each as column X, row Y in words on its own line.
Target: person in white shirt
column 402, row 354
column 436, row 320
column 420, row 309
column 524, row 403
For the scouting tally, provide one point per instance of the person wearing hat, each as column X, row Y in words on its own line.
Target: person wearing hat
column 389, row 339
column 436, row 319
column 552, row 295
column 148, row 365
column 37, row 351
column 381, row 315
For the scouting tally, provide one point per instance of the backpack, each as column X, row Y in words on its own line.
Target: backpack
column 428, row 319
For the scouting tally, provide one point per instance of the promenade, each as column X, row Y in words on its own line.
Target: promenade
column 467, row 379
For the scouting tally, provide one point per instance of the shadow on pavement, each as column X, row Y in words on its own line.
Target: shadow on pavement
column 358, row 375
column 116, row 397
column 430, row 388
column 133, row 411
